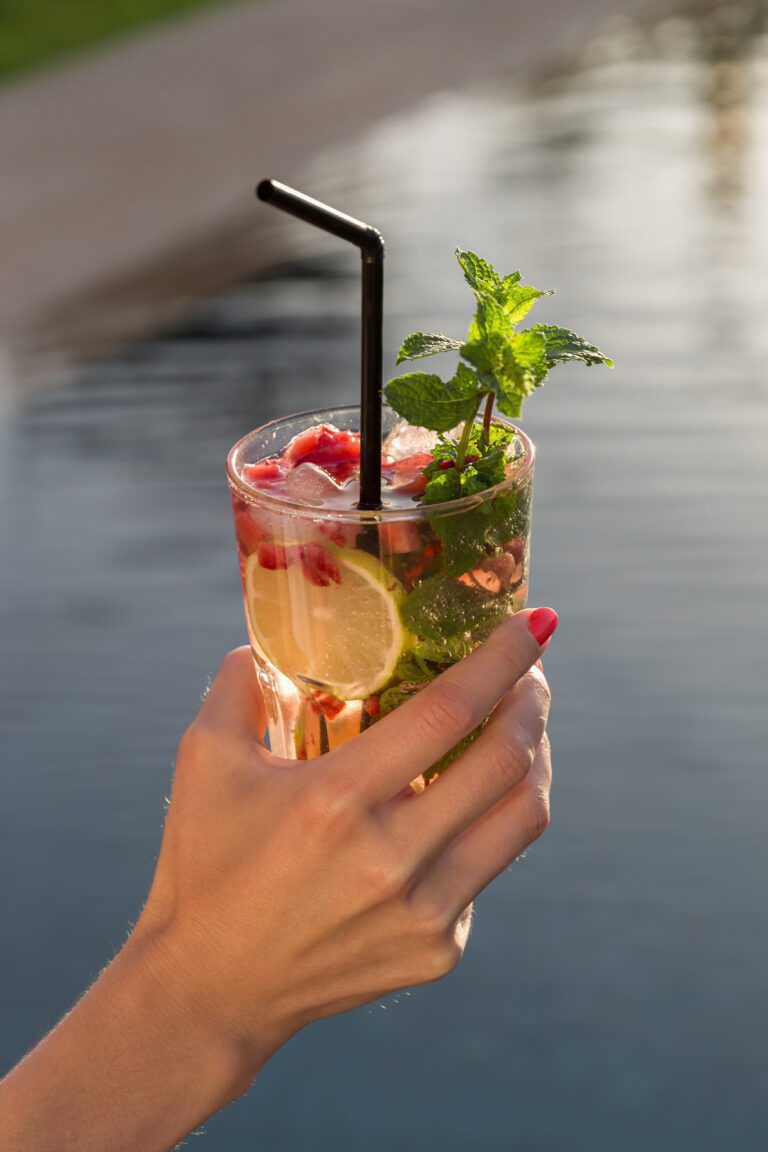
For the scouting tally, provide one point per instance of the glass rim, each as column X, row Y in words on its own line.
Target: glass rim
column 419, row 511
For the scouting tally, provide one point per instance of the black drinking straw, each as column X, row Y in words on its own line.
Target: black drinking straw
column 371, row 244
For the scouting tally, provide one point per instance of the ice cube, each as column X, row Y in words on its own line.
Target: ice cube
column 351, row 490
column 405, row 440
column 311, row 485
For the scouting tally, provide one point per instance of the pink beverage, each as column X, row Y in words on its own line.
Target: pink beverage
column 350, row 612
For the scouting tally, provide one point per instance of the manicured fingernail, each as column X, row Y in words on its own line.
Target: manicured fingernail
column 542, row 623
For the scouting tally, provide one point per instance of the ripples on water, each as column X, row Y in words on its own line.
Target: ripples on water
column 616, row 990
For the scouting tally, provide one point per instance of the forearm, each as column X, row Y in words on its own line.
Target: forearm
column 129, row 1067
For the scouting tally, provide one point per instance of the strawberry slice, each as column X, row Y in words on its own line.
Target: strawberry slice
column 317, row 564
column 398, row 536
column 273, row 556
column 343, row 535
column 323, row 704
column 421, row 563
column 329, row 447
column 408, row 474
column 265, row 473
column 373, row 706
column 249, row 530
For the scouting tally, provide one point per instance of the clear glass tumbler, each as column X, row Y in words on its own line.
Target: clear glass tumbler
column 350, row 612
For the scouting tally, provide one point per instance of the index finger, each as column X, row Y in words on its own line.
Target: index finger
column 412, row 738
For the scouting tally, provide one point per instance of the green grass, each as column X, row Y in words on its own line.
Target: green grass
column 35, row 31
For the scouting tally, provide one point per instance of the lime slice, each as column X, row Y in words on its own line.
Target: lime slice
column 343, row 638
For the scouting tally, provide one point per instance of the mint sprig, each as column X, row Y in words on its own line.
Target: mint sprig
column 498, row 362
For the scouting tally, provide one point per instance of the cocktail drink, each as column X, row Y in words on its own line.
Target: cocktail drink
column 349, row 611
column 377, row 545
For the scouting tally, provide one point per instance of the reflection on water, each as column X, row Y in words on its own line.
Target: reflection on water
column 616, row 990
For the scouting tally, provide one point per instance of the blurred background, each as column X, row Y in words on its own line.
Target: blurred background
column 615, row 993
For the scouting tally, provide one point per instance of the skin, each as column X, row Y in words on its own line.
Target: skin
column 285, row 892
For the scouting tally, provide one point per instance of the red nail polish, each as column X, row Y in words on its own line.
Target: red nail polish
column 542, row 623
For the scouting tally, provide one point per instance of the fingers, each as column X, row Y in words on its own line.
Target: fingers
column 490, row 768
column 234, row 700
column 418, row 733
column 491, row 844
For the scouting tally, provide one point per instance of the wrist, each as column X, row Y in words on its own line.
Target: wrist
column 176, row 973
column 167, row 990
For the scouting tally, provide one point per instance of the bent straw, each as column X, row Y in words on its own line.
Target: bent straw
column 371, row 244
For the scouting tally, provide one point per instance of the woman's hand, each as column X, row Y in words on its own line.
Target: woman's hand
column 287, row 891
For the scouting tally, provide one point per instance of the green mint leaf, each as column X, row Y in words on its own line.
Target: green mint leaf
column 428, row 402
column 442, row 485
column 484, row 353
column 564, row 345
column 442, row 609
column 523, row 369
column 511, row 518
column 479, row 274
column 420, row 344
column 491, row 468
column 510, row 404
column 520, row 298
column 514, row 298
column 393, row 697
column 411, row 670
column 440, row 654
column 491, row 320
column 510, row 281
column 462, row 536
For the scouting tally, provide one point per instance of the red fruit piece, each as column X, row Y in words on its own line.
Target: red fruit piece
column 323, row 703
column 343, row 535
column 249, row 530
column 408, row 475
column 329, row 447
column 398, row 536
column 422, row 562
column 373, row 706
column 412, row 463
column 345, row 470
column 265, row 473
column 272, row 556
column 317, row 565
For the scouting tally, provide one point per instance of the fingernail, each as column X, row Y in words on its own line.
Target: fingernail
column 542, row 623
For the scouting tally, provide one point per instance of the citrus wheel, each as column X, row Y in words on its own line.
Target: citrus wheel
column 341, row 633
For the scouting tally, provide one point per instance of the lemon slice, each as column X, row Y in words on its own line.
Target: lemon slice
column 343, row 638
